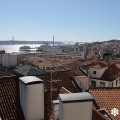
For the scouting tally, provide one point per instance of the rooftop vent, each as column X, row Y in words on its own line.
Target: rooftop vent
column 32, row 97
column 75, row 106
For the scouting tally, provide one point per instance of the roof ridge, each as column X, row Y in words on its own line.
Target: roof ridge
column 104, row 88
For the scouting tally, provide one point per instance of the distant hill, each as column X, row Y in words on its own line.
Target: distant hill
column 10, row 42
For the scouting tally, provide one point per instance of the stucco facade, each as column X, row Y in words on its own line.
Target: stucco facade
column 96, row 73
column 100, row 83
column 9, row 60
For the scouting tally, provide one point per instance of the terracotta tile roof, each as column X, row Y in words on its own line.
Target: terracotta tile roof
column 60, row 81
column 10, row 108
column 104, row 61
column 111, row 73
column 100, row 65
column 95, row 64
column 86, row 67
column 72, row 65
column 107, row 98
column 95, row 114
column 63, row 90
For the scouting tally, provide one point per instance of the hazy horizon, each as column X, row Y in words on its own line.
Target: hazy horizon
column 67, row 20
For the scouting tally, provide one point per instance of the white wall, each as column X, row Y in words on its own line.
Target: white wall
column 76, row 49
column 55, row 109
column 107, row 83
column 32, row 101
column 9, row 60
column 80, row 49
column 23, row 99
column 116, row 81
column 55, row 50
column 35, row 102
column 78, row 52
column 52, row 50
column 75, row 106
column 99, row 72
column 76, row 111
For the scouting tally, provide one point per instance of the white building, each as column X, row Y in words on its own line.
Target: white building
column 80, row 49
column 10, row 60
column 50, row 49
column 101, row 75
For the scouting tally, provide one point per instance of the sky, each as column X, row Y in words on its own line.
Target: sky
column 67, row 20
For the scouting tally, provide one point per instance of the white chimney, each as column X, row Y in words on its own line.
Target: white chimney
column 55, row 111
column 32, row 97
column 75, row 106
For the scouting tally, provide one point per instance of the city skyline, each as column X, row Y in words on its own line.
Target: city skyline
column 67, row 20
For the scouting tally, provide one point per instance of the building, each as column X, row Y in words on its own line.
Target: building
column 104, row 75
column 80, row 49
column 29, row 70
column 50, row 49
column 59, row 89
column 2, row 52
column 10, row 60
column 107, row 98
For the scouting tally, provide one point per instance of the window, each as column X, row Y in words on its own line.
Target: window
column 93, row 83
column 116, row 82
column 81, row 49
column 94, row 72
column 76, row 49
column 102, row 84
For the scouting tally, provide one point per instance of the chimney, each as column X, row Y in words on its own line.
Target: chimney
column 75, row 106
column 55, row 111
column 32, row 97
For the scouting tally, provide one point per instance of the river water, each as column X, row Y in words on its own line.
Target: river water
column 15, row 48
